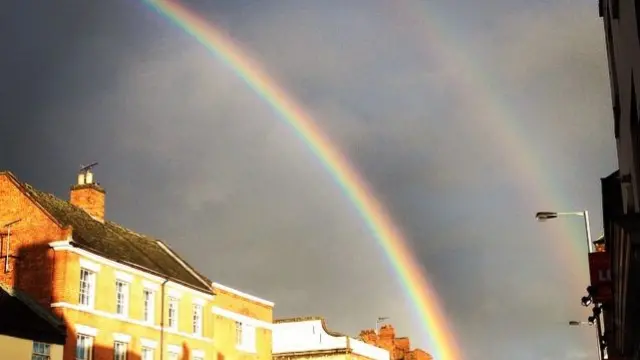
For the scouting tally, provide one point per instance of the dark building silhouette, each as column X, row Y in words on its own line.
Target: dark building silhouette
column 621, row 190
column 23, row 318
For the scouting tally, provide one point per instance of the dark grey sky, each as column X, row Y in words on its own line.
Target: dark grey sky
column 188, row 153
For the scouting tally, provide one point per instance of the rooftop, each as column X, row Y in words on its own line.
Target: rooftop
column 115, row 242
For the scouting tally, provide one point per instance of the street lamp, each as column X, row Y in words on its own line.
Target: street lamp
column 580, row 323
column 550, row 215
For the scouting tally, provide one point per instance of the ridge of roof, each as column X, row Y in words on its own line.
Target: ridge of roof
column 114, row 241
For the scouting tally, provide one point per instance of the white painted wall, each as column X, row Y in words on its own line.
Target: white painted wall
column 309, row 335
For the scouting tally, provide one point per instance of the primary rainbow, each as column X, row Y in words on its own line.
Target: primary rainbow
column 376, row 217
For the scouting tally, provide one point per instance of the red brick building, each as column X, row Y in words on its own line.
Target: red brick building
column 122, row 295
column 399, row 347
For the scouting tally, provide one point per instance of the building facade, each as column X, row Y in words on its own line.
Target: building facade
column 621, row 189
column 28, row 330
column 308, row 338
column 122, row 295
column 242, row 324
column 399, row 348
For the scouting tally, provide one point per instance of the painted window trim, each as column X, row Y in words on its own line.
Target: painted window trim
column 152, row 306
column 174, row 349
column 127, row 300
column 93, row 275
column 64, row 305
column 89, row 265
column 86, row 330
column 199, row 301
column 198, row 353
column 148, row 343
column 150, row 285
column 124, row 338
column 171, row 292
column 65, row 245
column 124, row 277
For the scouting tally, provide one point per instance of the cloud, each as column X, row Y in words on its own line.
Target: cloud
column 190, row 154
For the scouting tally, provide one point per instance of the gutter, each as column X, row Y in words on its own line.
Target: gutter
column 162, row 292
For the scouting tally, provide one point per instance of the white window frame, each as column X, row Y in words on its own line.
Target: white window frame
column 90, row 280
column 239, row 331
column 197, row 319
column 197, row 354
column 148, row 306
column 173, row 350
column 40, row 351
column 89, row 348
column 119, row 345
column 125, row 298
column 245, row 337
column 148, row 350
column 172, row 321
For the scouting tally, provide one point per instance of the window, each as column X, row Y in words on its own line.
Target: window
column 245, row 337
column 238, row 333
column 119, row 351
column 122, row 297
column 148, row 311
column 147, row 354
column 197, row 319
column 87, row 287
column 41, row 351
column 84, row 347
column 173, row 313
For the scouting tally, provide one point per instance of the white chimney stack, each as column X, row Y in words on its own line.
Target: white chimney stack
column 81, row 178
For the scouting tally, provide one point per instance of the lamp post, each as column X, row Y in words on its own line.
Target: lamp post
column 550, row 215
column 580, row 323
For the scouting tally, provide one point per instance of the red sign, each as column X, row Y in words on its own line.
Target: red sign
column 600, row 270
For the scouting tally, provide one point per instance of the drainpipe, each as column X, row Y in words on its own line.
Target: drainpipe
column 162, row 291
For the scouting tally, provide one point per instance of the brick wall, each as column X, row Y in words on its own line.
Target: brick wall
column 399, row 348
column 32, row 272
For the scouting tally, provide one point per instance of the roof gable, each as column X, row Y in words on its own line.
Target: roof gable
column 114, row 242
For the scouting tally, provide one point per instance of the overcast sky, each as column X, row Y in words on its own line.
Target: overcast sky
column 465, row 116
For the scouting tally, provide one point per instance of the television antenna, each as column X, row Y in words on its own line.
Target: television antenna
column 85, row 168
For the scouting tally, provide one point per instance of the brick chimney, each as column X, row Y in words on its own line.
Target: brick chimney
column 88, row 195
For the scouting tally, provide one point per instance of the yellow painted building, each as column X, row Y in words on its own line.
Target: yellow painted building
column 122, row 295
column 242, row 325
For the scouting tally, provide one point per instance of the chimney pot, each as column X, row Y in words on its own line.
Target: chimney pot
column 88, row 196
column 89, row 177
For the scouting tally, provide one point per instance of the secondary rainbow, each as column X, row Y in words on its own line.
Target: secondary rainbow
column 374, row 214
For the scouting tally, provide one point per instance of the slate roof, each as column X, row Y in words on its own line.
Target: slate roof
column 23, row 318
column 117, row 243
